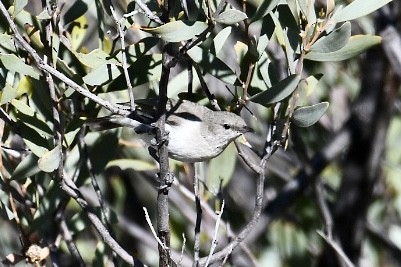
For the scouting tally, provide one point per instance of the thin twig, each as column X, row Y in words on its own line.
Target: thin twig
column 147, row 11
column 124, row 58
column 57, row 134
column 184, row 241
column 324, row 209
column 198, row 215
column 67, row 236
column 216, row 231
column 337, row 248
column 70, row 188
column 223, row 262
column 212, row 98
column 152, row 228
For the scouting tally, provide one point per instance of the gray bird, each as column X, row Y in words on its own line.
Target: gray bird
column 195, row 133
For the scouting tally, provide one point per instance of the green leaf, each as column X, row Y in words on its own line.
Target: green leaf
column 22, row 107
column 357, row 9
column 8, row 93
column 26, row 168
column 76, row 10
column 13, row 63
column 5, row 212
column 264, row 9
column 19, row 5
column 102, row 74
column 230, row 17
column 96, row 58
column 178, row 31
column 334, row 41
column 50, row 160
column 70, row 136
column 308, row 85
column 220, row 39
column 6, row 41
column 135, row 164
column 355, row 46
column 278, row 92
column 222, row 167
column 43, row 15
column 308, row 9
column 36, row 147
column 78, row 32
column 212, row 64
column 309, row 115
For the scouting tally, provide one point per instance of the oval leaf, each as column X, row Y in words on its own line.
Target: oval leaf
column 178, row 31
column 355, row 45
column 27, row 167
column 309, row 115
column 212, row 64
column 138, row 165
column 278, row 92
column 19, row 5
column 358, row 8
column 22, row 107
column 220, row 39
column 264, row 9
column 13, row 63
column 50, row 160
column 8, row 94
column 102, row 74
column 231, row 16
column 334, row 41
column 221, row 168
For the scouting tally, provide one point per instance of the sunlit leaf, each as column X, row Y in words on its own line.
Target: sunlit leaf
column 221, row 167
column 212, row 64
column 333, row 41
column 50, row 160
column 264, row 9
column 78, row 32
column 135, row 164
column 102, row 74
column 220, row 39
column 177, row 31
column 76, row 10
column 308, row 10
column 95, row 58
column 22, row 107
column 231, row 16
column 355, row 45
column 43, row 15
column 278, row 92
column 357, row 9
column 8, row 93
column 19, row 5
column 309, row 115
column 13, row 63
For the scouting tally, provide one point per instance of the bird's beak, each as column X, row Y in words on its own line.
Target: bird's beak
column 243, row 141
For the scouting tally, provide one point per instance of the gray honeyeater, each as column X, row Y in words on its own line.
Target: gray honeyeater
column 195, row 133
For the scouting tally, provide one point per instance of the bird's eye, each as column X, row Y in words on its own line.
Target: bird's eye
column 226, row 126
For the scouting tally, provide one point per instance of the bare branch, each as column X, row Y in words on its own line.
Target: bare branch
column 124, row 58
column 152, row 228
column 337, row 248
column 216, row 231
column 147, row 11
